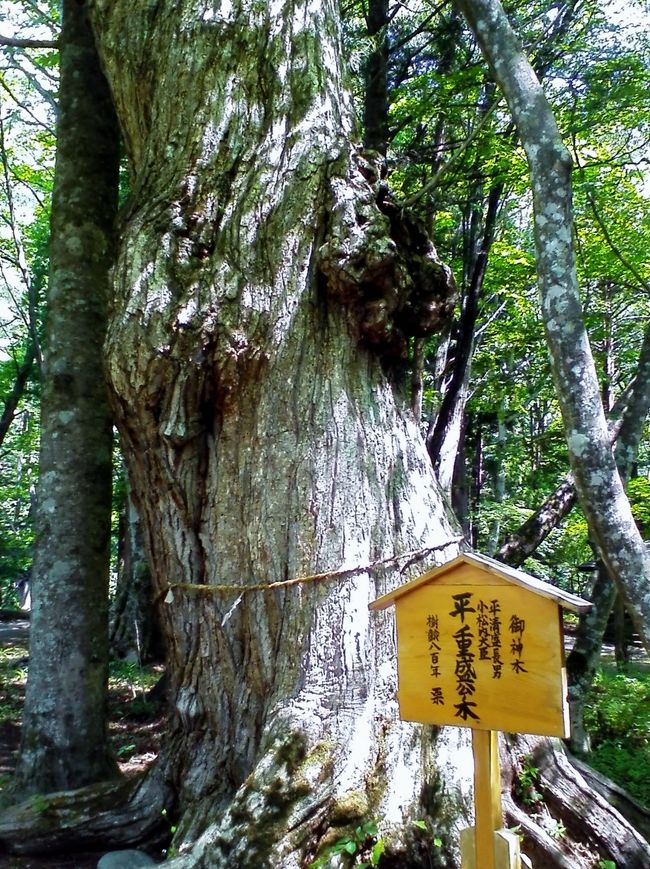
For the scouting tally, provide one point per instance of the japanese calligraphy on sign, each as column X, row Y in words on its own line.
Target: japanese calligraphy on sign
column 480, row 645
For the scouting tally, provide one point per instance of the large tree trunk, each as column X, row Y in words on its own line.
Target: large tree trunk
column 259, row 291
column 64, row 739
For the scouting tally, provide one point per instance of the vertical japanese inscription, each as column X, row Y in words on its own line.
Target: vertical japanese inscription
column 465, row 671
column 483, row 655
column 517, row 628
column 480, row 652
column 433, row 638
column 495, row 638
column 483, row 627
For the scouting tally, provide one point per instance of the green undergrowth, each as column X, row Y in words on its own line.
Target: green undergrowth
column 128, row 681
column 618, row 718
column 13, row 673
column 131, row 679
column 136, row 718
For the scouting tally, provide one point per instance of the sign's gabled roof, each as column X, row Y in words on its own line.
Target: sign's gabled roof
column 510, row 574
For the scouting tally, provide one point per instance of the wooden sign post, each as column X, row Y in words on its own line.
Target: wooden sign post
column 487, row 793
column 480, row 645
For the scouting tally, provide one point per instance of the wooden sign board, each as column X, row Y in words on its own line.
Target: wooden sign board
column 480, row 645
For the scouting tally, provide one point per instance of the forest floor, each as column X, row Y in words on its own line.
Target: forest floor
column 136, row 724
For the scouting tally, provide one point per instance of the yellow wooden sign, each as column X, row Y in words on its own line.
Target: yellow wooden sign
column 480, row 645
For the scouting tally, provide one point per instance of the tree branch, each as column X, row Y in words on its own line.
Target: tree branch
column 17, row 390
column 21, row 255
column 626, row 424
column 18, row 42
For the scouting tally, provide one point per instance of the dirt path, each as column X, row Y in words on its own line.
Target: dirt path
column 14, row 632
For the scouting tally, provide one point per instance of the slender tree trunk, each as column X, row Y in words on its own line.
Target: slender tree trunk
column 262, row 298
column 134, row 623
column 17, row 391
column 463, row 489
column 598, row 483
column 445, row 429
column 64, row 740
column 629, row 412
column 584, row 658
column 622, row 633
column 498, row 477
column 376, row 104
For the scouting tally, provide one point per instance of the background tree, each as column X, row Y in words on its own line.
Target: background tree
column 597, row 481
column 64, row 742
column 134, row 624
column 26, row 152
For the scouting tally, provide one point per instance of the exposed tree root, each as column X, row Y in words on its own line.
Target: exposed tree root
column 111, row 814
column 567, row 824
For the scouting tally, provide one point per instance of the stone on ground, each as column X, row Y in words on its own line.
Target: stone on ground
column 125, row 860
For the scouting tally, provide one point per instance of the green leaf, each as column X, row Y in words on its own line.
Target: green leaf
column 369, row 829
column 421, row 825
column 377, row 851
column 437, row 842
column 341, row 846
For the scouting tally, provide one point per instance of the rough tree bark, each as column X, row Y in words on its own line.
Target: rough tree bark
column 64, row 741
column 266, row 292
column 597, row 481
